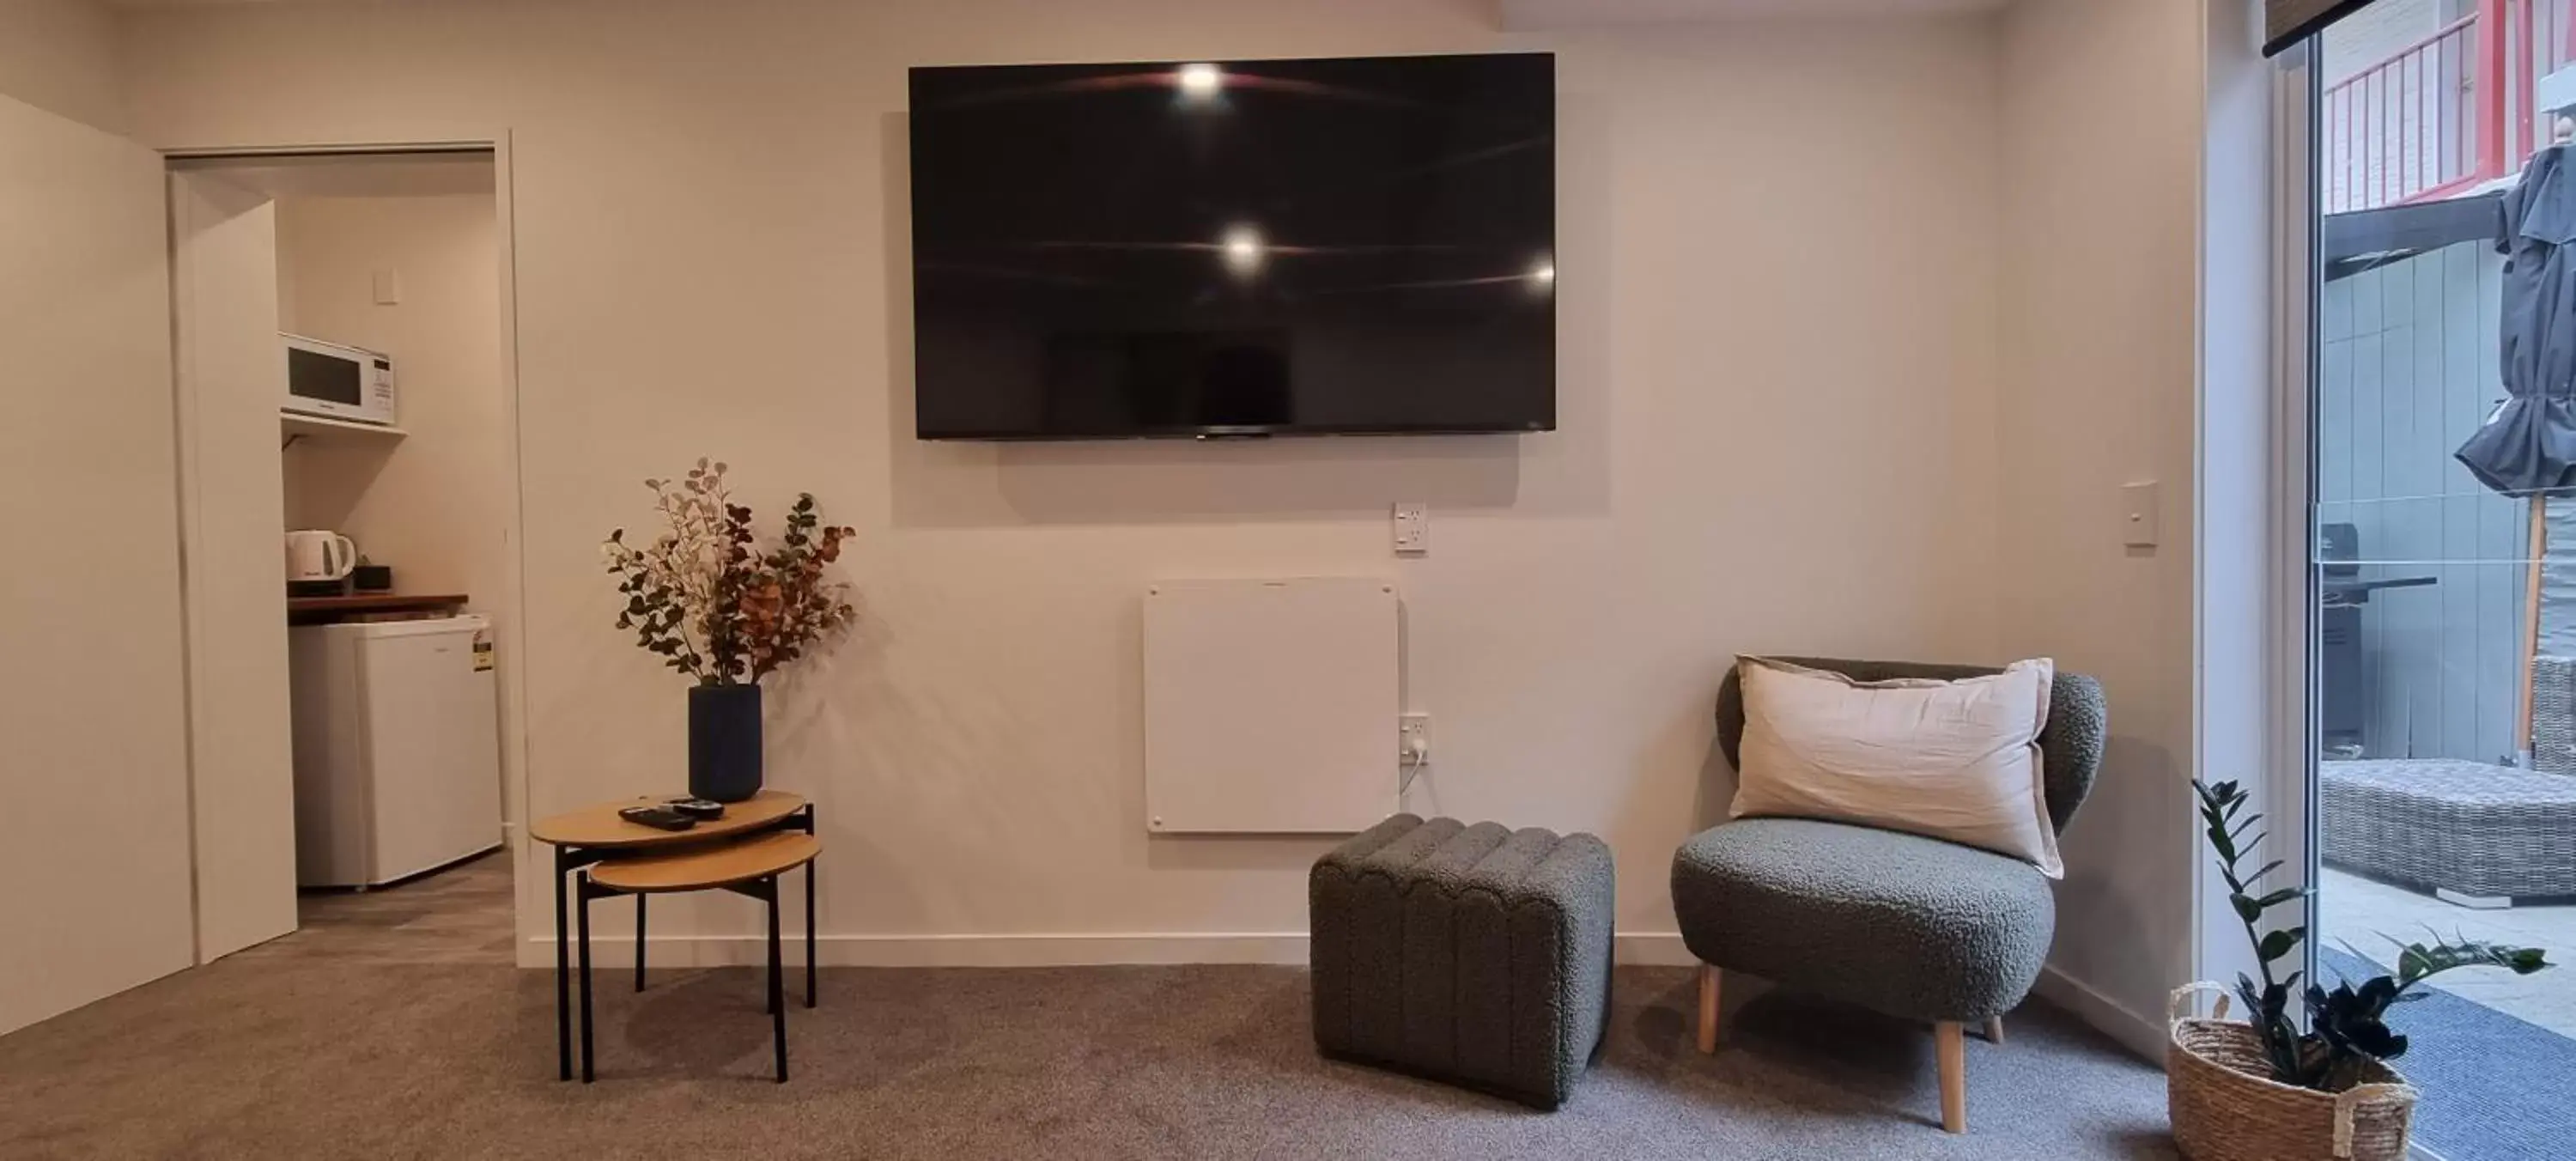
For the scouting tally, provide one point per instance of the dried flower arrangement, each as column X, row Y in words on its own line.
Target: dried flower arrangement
column 710, row 603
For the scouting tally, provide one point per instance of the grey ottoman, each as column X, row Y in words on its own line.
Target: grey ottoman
column 1475, row 955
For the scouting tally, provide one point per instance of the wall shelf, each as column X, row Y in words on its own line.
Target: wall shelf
column 292, row 425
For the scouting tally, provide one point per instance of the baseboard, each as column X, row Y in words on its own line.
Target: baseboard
column 2134, row 1032
column 1654, row 948
column 1651, row 949
column 941, row 950
column 2138, row 1034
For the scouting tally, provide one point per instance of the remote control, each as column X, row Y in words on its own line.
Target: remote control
column 657, row 817
column 700, row 808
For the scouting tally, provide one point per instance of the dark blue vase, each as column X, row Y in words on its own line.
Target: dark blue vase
column 724, row 741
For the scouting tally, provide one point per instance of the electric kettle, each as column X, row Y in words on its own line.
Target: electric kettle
column 319, row 556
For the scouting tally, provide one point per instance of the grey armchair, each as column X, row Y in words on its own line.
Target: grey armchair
column 1914, row 927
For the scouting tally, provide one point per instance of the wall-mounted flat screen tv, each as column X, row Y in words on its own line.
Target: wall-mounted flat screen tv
column 1217, row 248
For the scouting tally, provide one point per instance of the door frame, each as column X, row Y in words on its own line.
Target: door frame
column 2252, row 596
column 510, row 604
column 2289, row 783
column 2287, row 790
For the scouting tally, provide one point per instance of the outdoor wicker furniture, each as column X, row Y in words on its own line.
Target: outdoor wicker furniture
column 2553, row 714
column 2473, row 834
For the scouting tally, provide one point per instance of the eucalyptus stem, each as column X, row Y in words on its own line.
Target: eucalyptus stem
column 709, row 602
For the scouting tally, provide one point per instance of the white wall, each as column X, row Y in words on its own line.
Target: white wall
column 430, row 505
column 709, row 212
column 61, row 56
column 2252, row 709
column 2102, row 151
column 93, row 724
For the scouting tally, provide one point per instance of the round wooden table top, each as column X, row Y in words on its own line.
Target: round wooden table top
column 719, row 864
column 599, row 826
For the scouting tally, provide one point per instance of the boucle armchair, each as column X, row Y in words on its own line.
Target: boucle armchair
column 1913, row 927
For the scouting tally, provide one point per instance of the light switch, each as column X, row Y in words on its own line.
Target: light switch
column 388, row 288
column 1412, row 528
column 2138, row 506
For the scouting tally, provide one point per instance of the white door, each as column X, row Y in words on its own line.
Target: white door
column 231, row 375
column 92, row 709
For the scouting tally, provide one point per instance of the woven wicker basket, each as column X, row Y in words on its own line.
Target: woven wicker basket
column 2225, row 1107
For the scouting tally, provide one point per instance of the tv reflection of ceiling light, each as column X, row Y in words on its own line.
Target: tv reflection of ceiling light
column 1200, row 82
column 1242, row 249
column 1542, row 275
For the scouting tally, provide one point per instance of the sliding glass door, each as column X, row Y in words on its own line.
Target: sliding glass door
column 2442, row 631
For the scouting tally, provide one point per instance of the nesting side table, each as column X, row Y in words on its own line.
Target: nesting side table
column 598, row 854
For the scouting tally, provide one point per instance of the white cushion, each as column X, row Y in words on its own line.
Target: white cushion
column 1956, row 760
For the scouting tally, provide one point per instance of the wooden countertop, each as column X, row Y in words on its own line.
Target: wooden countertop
column 375, row 603
column 355, row 606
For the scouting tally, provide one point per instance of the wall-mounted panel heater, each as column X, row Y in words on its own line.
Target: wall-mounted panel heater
column 1270, row 705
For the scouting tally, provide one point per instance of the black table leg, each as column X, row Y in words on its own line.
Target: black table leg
column 563, row 979
column 585, row 977
column 809, row 933
column 777, row 985
column 639, row 941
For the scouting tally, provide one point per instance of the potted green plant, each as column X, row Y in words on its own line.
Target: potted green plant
column 712, row 604
column 2261, row 1089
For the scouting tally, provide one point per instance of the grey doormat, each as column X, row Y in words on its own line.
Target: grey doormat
column 2495, row 1088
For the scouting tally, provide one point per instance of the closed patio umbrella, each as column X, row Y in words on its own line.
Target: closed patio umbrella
column 2529, row 444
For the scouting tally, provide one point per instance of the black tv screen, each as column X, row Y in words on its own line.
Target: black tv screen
column 1342, row 246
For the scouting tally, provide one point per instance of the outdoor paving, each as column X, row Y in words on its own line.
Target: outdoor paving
column 2356, row 912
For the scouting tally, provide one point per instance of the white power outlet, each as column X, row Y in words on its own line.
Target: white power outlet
column 1412, row 528
column 1413, row 739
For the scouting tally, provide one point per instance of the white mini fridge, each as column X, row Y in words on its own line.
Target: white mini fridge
column 397, row 748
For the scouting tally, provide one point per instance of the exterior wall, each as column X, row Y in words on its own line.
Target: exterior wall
column 2379, row 31
column 2406, row 371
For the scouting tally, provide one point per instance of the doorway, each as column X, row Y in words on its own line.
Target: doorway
column 347, row 444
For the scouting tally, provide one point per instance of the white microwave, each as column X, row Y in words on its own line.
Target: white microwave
column 339, row 382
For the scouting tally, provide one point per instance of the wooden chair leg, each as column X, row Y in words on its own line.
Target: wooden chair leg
column 1949, row 1040
column 1709, row 978
column 1994, row 1030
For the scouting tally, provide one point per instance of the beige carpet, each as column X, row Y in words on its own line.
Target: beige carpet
column 328, row 1045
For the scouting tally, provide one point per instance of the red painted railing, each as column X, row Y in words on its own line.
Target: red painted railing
column 2422, row 124
column 2448, row 113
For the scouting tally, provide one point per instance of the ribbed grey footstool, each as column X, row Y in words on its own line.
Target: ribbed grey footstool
column 1475, row 955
